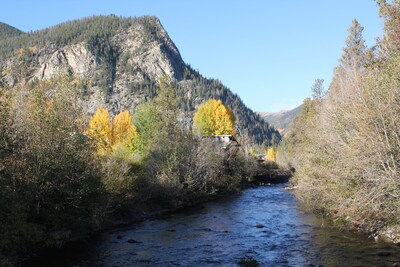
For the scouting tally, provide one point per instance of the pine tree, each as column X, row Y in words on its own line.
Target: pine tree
column 390, row 12
column 317, row 89
column 354, row 52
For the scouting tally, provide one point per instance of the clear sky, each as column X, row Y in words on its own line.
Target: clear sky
column 269, row 52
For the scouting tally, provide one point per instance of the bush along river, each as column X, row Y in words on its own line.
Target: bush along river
column 262, row 226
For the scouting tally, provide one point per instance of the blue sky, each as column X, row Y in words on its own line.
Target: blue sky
column 268, row 52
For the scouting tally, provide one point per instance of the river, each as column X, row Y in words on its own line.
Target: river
column 263, row 225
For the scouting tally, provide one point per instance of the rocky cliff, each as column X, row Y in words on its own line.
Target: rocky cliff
column 121, row 61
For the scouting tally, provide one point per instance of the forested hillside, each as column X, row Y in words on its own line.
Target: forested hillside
column 281, row 120
column 119, row 63
column 345, row 144
column 8, row 31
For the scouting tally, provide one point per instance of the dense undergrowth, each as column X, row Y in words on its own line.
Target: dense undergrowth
column 55, row 187
column 345, row 144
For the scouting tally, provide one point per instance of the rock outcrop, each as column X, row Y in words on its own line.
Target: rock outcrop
column 121, row 62
column 74, row 59
column 141, row 57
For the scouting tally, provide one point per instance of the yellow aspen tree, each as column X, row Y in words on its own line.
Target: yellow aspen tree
column 252, row 152
column 130, row 140
column 100, row 131
column 213, row 118
column 123, row 131
column 106, row 135
column 271, row 154
column 120, row 126
column 224, row 120
column 203, row 119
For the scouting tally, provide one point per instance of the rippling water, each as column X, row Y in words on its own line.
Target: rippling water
column 264, row 224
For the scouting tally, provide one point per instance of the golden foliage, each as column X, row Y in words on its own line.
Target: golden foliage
column 123, row 131
column 106, row 134
column 252, row 152
column 20, row 52
column 271, row 154
column 214, row 118
column 100, row 131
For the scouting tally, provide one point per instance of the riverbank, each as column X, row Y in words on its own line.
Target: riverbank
column 140, row 211
column 256, row 225
column 264, row 174
column 388, row 233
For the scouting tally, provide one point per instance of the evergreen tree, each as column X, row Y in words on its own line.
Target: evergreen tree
column 390, row 12
column 318, row 90
column 354, row 52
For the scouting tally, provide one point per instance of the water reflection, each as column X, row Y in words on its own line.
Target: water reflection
column 263, row 223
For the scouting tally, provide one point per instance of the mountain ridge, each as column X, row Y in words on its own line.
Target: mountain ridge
column 281, row 119
column 121, row 61
column 7, row 31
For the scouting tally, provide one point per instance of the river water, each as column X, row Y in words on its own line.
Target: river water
column 263, row 225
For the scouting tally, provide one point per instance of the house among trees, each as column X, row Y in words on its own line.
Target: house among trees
column 226, row 140
column 261, row 157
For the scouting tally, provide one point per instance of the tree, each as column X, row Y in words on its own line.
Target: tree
column 100, row 131
column 390, row 12
column 157, row 120
column 224, row 120
column 318, row 91
column 146, row 120
column 123, row 131
column 213, row 118
column 106, row 135
column 49, row 183
column 271, row 154
column 354, row 52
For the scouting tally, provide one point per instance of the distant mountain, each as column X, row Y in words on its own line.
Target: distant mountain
column 120, row 61
column 8, row 31
column 281, row 120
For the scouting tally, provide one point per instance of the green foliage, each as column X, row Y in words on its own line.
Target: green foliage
column 106, row 55
column 97, row 32
column 180, row 167
column 354, row 52
column 53, row 185
column 7, row 31
column 48, row 180
column 96, row 29
column 146, row 120
column 157, row 119
column 120, row 177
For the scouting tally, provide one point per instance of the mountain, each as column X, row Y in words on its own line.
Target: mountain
column 281, row 120
column 7, row 31
column 120, row 62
